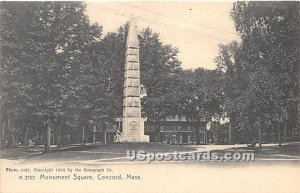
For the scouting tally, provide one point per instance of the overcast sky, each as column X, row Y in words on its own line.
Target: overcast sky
column 195, row 28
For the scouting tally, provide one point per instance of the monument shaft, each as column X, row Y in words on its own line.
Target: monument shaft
column 133, row 123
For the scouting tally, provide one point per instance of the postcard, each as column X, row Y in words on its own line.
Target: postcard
column 149, row 96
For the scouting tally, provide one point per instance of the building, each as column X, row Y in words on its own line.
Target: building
column 173, row 130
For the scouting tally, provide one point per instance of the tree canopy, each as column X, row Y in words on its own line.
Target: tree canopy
column 59, row 71
column 262, row 74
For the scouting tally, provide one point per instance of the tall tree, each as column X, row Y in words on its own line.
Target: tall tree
column 267, row 61
column 52, row 38
column 197, row 95
column 159, row 63
column 159, row 66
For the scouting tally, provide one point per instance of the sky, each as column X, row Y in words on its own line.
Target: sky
column 195, row 28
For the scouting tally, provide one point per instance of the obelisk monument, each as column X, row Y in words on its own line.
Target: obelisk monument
column 132, row 122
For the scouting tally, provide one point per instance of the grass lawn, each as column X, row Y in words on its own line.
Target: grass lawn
column 287, row 151
column 77, row 153
column 88, row 152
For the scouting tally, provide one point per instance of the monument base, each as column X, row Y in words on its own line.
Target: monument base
column 133, row 130
column 134, row 138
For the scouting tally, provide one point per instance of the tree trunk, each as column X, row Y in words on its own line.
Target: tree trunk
column 47, row 146
column 3, row 129
column 158, row 125
column 26, row 136
column 1, row 125
column 284, row 134
column 273, row 135
column 9, row 140
column 59, row 135
column 12, row 137
column 197, row 135
column 259, row 136
column 83, row 136
column 229, row 134
column 105, row 137
column 279, row 135
column 205, row 135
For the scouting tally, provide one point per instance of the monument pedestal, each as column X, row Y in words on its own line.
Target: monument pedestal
column 135, row 138
column 133, row 130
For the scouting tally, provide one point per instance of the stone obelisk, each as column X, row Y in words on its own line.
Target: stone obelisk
column 132, row 123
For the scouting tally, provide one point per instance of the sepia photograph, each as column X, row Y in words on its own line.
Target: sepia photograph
column 149, row 96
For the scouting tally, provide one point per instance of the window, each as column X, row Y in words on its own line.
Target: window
column 151, row 128
column 174, row 128
column 167, row 128
column 193, row 138
column 201, row 128
column 162, row 128
column 162, row 137
column 193, row 128
column 174, row 137
column 166, row 138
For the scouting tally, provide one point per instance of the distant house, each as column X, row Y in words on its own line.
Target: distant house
column 175, row 130
column 172, row 130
